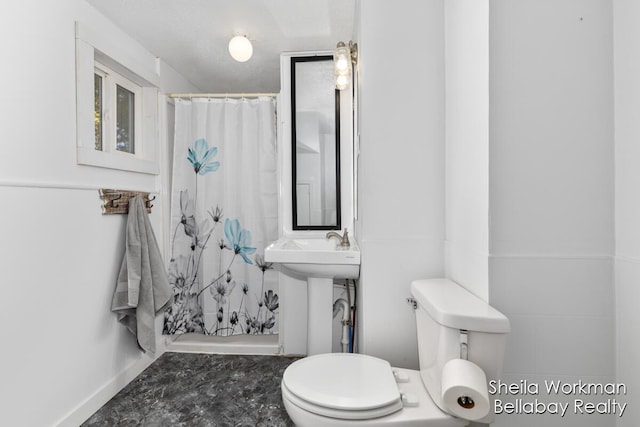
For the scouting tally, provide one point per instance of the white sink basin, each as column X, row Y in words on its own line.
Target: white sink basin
column 320, row 261
column 315, row 257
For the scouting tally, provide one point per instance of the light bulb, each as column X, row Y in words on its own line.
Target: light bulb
column 341, row 59
column 342, row 64
column 342, row 82
column 240, row 48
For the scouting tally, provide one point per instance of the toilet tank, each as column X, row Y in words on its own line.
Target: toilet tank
column 444, row 311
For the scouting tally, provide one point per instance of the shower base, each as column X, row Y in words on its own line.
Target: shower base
column 236, row 344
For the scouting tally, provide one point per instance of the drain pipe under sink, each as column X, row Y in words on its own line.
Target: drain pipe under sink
column 341, row 304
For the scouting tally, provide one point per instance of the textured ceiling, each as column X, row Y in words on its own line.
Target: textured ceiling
column 192, row 35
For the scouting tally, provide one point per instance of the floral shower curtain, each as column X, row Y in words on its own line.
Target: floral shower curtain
column 224, row 212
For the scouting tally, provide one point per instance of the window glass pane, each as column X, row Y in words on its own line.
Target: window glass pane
column 125, row 113
column 97, row 110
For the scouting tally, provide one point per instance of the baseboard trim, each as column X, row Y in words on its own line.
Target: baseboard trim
column 94, row 402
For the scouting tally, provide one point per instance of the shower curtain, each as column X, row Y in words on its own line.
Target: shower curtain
column 223, row 213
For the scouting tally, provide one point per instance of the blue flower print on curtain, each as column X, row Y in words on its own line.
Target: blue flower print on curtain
column 200, row 155
column 192, row 244
column 238, row 239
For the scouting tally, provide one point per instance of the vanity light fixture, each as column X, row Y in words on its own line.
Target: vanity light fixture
column 240, row 48
column 343, row 59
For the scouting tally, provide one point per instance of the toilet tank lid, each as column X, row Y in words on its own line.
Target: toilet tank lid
column 453, row 306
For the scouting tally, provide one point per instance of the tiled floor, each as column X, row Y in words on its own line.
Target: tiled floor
column 184, row 389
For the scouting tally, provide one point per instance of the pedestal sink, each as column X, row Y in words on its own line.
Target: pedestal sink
column 320, row 261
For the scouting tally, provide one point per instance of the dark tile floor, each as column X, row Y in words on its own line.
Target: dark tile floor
column 184, row 389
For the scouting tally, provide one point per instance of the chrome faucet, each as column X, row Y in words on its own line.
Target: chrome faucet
column 344, row 239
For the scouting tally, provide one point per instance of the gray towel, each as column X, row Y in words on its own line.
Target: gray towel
column 142, row 289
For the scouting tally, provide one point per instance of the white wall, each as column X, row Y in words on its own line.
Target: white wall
column 64, row 353
column 550, row 189
column 627, row 158
column 551, row 198
column 467, row 144
column 401, row 168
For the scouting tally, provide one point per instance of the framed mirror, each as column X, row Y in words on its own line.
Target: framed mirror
column 315, row 144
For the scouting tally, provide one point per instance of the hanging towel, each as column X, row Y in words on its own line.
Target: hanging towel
column 142, row 289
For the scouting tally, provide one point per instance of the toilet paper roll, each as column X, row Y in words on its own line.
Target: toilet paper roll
column 464, row 390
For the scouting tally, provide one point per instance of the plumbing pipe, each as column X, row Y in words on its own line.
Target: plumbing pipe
column 355, row 316
column 341, row 303
column 346, row 284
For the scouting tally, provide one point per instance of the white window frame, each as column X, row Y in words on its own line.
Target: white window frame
column 110, row 81
column 96, row 52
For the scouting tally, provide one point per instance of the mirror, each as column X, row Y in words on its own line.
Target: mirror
column 315, row 118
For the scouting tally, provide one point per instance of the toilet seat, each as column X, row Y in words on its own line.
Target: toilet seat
column 366, row 414
column 342, row 385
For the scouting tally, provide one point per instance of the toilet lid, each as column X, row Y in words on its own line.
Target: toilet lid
column 355, row 383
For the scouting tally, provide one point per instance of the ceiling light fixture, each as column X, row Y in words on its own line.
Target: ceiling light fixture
column 343, row 59
column 240, row 48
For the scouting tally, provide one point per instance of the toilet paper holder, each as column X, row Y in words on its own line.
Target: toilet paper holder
column 465, row 401
column 464, row 347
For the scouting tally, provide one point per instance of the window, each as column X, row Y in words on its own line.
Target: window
column 125, row 120
column 117, row 105
column 98, row 109
column 117, row 115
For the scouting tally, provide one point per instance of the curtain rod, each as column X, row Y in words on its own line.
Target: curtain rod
column 221, row 95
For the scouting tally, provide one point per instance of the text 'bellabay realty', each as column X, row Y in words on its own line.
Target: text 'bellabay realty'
column 523, row 404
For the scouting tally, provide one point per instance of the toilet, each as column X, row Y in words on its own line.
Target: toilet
column 456, row 331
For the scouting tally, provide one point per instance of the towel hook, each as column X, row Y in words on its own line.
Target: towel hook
column 114, row 202
column 147, row 203
column 117, row 201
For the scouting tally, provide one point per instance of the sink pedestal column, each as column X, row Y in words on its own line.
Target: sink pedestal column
column 320, row 315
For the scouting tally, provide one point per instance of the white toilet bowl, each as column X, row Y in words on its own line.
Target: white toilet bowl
column 346, row 389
